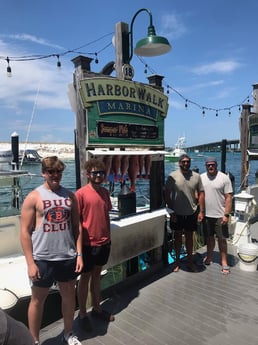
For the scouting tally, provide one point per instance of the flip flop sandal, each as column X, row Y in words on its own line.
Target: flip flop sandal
column 225, row 270
column 206, row 263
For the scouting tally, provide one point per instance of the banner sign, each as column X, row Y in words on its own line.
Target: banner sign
column 118, row 110
column 253, row 131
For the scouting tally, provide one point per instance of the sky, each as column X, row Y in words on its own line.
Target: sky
column 211, row 67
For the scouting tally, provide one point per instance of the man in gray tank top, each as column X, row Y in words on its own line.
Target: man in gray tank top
column 52, row 246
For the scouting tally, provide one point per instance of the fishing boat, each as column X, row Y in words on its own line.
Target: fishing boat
column 13, row 284
column 15, row 290
column 178, row 150
column 26, row 156
column 29, row 156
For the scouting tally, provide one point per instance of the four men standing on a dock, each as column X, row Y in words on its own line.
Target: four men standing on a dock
column 65, row 235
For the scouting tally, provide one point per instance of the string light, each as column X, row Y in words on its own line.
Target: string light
column 9, row 70
column 147, row 67
column 96, row 58
column 188, row 101
column 58, row 62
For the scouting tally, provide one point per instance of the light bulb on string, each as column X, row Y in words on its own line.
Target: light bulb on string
column 167, row 89
column 217, row 113
column 145, row 69
column 96, row 58
column 203, row 112
column 9, row 70
column 58, row 62
column 186, row 104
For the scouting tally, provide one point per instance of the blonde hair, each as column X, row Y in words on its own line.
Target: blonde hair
column 52, row 162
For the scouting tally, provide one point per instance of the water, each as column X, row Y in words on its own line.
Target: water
column 233, row 165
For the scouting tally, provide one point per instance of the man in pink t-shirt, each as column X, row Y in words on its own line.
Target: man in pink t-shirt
column 94, row 205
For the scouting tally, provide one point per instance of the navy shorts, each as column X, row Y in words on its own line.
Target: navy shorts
column 55, row 271
column 186, row 223
column 213, row 226
column 95, row 256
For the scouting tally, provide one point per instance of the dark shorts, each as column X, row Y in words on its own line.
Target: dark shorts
column 186, row 223
column 55, row 271
column 95, row 256
column 213, row 226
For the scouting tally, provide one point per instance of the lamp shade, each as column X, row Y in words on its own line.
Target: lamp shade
column 152, row 45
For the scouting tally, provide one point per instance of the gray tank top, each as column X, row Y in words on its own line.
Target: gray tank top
column 53, row 239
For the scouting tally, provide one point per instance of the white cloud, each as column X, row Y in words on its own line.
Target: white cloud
column 226, row 66
column 172, row 26
column 29, row 77
column 31, row 38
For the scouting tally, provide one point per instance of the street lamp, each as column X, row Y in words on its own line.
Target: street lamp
column 152, row 45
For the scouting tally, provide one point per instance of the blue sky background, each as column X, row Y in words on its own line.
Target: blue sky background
column 213, row 63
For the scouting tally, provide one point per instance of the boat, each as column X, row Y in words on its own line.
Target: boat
column 178, row 150
column 14, row 283
column 26, row 156
column 29, row 156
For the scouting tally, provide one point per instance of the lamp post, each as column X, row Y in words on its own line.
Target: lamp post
column 152, row 45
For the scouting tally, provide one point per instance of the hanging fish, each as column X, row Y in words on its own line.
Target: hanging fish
column 133, row 170
column 147, row 165
column 141, row 165
column 107, row 160
column 124, row 167
column 116, row 161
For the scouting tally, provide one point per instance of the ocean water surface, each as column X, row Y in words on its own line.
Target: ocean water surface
column 233, row 165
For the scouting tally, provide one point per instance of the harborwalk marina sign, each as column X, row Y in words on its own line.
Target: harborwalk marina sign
column 123, row 112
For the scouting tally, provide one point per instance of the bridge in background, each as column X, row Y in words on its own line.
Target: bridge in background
column 232, row 145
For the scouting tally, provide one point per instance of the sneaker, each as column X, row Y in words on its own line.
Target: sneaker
column 37, row 342
column 71, row 340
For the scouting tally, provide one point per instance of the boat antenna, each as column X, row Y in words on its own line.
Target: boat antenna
column 30, row 124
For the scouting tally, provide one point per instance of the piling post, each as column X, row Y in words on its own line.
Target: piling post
column 223, row 155
column 244, row 145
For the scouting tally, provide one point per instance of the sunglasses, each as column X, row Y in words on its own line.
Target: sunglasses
column 54, row 171
column 211, row 165
column 185, row 162
column 95, row 173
